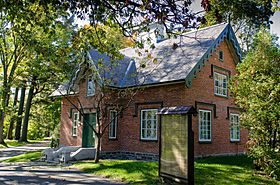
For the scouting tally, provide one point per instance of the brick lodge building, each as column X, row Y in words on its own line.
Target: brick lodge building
column 191, row 70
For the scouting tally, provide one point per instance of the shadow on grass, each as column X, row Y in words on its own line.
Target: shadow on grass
column 239, row 160
column 228, row 170
column 133, row 172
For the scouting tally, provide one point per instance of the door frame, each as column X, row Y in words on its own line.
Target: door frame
column 87, row 132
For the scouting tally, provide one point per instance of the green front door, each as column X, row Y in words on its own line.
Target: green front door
column 88, row 138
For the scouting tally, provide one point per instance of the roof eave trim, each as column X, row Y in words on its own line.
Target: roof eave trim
column 226, row 33
column 91, row 62
column 149, row 85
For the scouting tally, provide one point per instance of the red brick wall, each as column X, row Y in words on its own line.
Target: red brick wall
column 66, row 138
column 202, row 90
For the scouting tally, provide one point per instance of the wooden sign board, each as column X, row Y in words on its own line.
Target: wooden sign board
column 176, row 144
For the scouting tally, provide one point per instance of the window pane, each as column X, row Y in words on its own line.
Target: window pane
column 143, row 114
column 155, row 125
column 144, row 124
column 148, row 133
column 149, row 115
column 149, row 124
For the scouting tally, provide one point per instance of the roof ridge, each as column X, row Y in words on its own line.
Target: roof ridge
column 205, row 28
column 190, row 32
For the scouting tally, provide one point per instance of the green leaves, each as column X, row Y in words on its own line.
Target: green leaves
column 246, row 16
column 258, row 93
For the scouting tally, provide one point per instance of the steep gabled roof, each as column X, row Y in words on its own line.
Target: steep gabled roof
column 177, row 58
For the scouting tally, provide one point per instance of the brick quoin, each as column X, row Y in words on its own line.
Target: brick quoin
column 202, row 90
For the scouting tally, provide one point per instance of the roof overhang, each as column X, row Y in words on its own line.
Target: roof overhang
column 177, row 110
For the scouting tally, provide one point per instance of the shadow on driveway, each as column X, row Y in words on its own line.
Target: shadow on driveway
column 42, row 173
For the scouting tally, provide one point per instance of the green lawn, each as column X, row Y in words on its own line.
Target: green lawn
column 13, row 143
column 135, row 172
column 228, row 171
column 213, row 170
column 26, row 157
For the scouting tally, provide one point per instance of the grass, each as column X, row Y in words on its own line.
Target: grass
column 26, row 157
column 230, row 170
column 14, row 143
column 135, row 172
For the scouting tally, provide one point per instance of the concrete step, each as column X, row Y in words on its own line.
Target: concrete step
column 83, row 153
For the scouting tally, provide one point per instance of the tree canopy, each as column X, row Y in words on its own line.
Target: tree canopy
column 257, row 92
column 131, row 14
column 246, row 17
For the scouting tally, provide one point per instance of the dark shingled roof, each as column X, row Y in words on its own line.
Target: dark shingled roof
column 177, row 59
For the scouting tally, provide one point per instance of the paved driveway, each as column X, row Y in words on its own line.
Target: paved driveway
column 6, row 153
column 42, row 173
column 37, row 173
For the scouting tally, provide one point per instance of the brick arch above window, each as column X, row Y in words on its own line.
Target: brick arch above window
column 213, row 106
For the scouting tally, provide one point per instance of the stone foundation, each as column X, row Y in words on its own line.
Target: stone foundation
column 130, row 156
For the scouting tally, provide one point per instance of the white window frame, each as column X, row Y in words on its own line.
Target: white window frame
column 75, row 123
column 111, row 123
column 199, row 126
column 152, row 124
column 90, row 77
column 219, row 90
column 235, row 126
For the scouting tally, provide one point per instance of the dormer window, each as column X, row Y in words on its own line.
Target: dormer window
column 90, row 86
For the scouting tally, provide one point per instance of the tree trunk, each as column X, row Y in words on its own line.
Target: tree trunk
column 2, row 115
column 13, row 119
column 98, row 135
column 27, row 113
column 97, row 154
column 20, row 111
column 5, row 102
